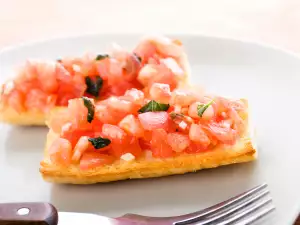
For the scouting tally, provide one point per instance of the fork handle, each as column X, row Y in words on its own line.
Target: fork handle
column 28, row 213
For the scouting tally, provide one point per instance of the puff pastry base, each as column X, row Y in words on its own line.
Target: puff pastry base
column 242, row 151
column 32, row 118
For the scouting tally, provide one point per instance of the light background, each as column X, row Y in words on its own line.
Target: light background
column 275, row 22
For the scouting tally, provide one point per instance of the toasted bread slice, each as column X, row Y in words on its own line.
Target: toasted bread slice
column 29, row 118
column 37, row 118
column 145, row 167
column 243, row 151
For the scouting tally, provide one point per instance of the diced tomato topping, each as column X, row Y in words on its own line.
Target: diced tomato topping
column 81, row 146
column 159, row 144
column 224, row 134
column 131, row 145
column 128, row 82
column 16, row 100
column 120, row 105
column 136, row 96
column 160, row 92
column 91, row 160
column 178, row 142
column 154, row 120
column 132, row 125
column 197, row 134
column 73, row 136
column 105, row 115
column 58, row 119
column 114, row 133
column 79, row 113
column 196, row 147
column 183, row 98
column 60, row 152
column 208, row 114
column 145, row 144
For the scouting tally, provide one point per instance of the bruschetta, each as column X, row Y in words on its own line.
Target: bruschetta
column 137, row 135
column 41, row 86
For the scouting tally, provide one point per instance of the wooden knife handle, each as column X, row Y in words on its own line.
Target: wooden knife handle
column 28, row 213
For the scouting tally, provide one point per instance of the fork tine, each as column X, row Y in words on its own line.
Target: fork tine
column 237, row 200
column 251, row 209
column 236, row 209
column 257, row 216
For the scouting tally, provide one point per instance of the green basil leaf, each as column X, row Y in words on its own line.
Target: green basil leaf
column 201, row 108
column 99, row 142
column 94, row 87
column 154, row 106
column 100, row 57
column 91, row 109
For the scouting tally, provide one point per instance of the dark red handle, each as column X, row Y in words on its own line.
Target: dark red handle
column 28, row 213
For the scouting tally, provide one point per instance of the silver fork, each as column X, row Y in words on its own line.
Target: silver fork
column 244, row 208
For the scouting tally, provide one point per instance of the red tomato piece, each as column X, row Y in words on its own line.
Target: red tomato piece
column 132, row 125
column 114, row 133
column 144, row 144
column 60, row 152
column 159, row 144
column 197, row 134
column 196, row 147
column 131, row 146
column 225, row 135
column 16, row 101
column 73, row 136
column 92, row 160
column 178, row 142
column 154, row 120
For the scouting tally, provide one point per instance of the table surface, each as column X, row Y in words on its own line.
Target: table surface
column 275, row 22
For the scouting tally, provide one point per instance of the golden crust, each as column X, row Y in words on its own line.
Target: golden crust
column 29, row 118
column 145, row 167
column 242, row 151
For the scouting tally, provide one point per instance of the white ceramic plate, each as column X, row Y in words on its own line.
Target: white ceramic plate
column 269, row 78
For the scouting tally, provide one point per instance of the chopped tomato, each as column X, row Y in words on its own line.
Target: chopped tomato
column 183, row 97
column 114, row 133
column 144, row 144
column 225, row 135
column 16, row 100
column 131, row 145
column 58, row 120
column 165, row 76
column 197, row 134
column 196, row 147
column 60, row 152
column 120, row 105
column 154, row 120
column 160, row 92
column 159, row 144
column 73, row 136
column 132, row 125
column 147, row 73
column 104, row 115
column 46, row 76
column 79, row 113
column 81, row 146
column 91, row 160
column 239, row 124
column 208, row 114
column 134, row 95
column 178, row 142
